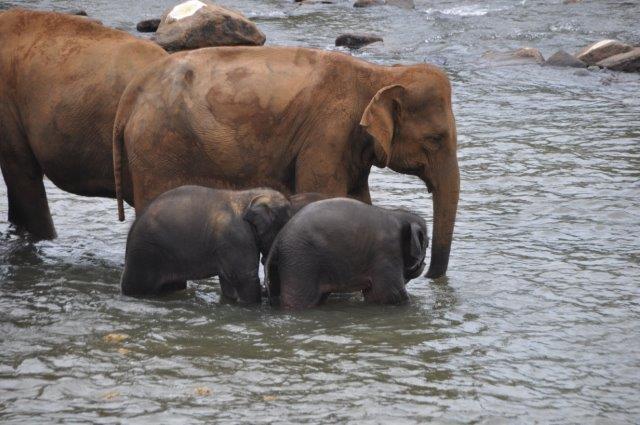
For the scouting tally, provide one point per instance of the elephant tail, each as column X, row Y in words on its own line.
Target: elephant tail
column 118, row 146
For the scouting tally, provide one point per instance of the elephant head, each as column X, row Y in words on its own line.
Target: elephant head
column 267, row 213
column 412, row 130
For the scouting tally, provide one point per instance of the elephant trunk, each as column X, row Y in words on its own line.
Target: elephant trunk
column 446, row 192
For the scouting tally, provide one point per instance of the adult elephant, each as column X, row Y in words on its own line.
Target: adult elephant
column 61, row 78
column 294, row 119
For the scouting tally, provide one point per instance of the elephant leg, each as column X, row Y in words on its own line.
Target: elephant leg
column 138, row 281
column 387, row 284
column 300, row 292
column 148, row 272
column 229, row 293
column 28, row 205
column 300, row 284
column 324, row 297
column 244, row 290
column 363, row 194
column 145, row 282
column 147, row 186
column 173, row 286
column 320, row 168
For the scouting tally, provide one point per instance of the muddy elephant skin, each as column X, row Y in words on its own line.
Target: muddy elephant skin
column 294, row 119
column 193, row 232
column 61, row 78
column 344, row 245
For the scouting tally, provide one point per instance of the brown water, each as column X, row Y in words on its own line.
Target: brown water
column 537, row 320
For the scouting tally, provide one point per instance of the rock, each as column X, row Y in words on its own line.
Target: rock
column 83, row 14
column 203, row 391
column 111, row 395
column 562, row 58
column 355, row 41
column 149, row 25
column 367, row 3
column 522, row 55
column 529, row 53
column 594, row 68
column 581, row 73
column 115, row 338
column 626, row 62
column 78, row 12
column 594, row 53
column 195, row 24
column 405, row 4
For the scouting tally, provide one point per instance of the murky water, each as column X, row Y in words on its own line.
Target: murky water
column 537, row 320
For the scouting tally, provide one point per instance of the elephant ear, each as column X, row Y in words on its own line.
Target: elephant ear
column 378, row 120
column 415, row 243
column 259, row 214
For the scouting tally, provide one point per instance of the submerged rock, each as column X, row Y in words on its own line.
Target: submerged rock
column 367, row 3
column 626, row 62
column 355, row 41
column 595, row 52
column 522, row 55
column 406, row 4
column 562, row 58
column 195, row 24
column 115, row 338
column 148, row 25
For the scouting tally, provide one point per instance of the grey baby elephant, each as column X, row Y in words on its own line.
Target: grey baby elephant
column 343, row 245
column 194, row 232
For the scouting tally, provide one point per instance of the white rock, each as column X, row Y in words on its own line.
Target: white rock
column 185, row 9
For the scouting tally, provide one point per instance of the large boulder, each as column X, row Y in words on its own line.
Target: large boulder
column 564, row 59
column 515, row 57
column 199, row 23
column 355, row 41
column 626, row 62
column 594, row 53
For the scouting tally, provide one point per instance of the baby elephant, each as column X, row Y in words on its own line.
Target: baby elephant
column 194, row 232
column 343, row 245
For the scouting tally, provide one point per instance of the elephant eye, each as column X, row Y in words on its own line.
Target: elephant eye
column 433, row 142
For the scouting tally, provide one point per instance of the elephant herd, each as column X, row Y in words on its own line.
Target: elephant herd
column 102, row 113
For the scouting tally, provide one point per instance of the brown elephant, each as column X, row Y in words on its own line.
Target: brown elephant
column 294, row 119
column 61, row 78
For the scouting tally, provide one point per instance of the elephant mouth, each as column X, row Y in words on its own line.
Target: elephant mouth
column 415, row 271
column 418, row 268
column 429, row 185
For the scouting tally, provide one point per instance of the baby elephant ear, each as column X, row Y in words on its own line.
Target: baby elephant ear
column 415, row 246
column 259, row 214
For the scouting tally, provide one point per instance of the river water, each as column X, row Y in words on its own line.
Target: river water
column 537, row 320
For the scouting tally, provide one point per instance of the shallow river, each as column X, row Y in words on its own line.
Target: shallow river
column 537, row 320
